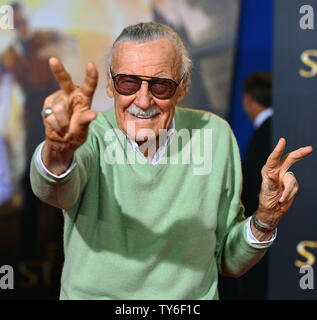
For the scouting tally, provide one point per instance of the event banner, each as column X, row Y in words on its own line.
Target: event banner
column 293, row 268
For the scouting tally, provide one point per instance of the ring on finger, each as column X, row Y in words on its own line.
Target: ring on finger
column 292, row 173
column 47, row 111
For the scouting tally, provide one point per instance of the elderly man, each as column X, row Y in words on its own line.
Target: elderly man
column 150, row 229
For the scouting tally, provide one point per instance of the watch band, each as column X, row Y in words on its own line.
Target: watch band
column 258, row 225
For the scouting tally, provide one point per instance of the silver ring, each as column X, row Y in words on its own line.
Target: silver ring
column 292, row 173
column 47, row 111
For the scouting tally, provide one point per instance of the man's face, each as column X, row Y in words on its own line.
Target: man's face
column 158, row 58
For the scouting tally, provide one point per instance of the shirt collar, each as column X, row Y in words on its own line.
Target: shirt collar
column 262, row 116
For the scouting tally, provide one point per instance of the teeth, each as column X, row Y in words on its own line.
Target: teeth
column 143, row 116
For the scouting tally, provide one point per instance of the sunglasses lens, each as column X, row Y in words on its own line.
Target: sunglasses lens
column 163, row 89
column 127, row 85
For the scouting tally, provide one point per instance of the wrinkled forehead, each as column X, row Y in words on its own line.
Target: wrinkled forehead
column 160, row 55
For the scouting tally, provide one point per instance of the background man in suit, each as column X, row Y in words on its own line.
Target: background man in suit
column 257, row 103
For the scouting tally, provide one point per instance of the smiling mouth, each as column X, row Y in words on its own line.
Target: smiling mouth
column 143, row 116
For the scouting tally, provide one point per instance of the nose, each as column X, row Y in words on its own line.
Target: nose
column 143, row 96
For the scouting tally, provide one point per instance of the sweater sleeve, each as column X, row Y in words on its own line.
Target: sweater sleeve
column 64, row 192
column 235, row 254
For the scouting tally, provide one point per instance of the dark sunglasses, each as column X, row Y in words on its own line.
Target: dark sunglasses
column 128, row 84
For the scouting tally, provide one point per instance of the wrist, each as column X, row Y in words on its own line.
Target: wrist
column 262, row 226
column 267, row 216
column 261, row 235
column 56, row 159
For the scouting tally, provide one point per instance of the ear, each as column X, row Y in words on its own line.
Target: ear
column 182, row 89
column 109, row 86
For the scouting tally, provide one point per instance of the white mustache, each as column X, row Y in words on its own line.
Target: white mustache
column 136, row 111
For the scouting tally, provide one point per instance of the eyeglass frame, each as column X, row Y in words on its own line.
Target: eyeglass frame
column 148, row 81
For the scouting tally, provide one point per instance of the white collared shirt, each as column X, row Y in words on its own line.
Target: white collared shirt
column 262, row 116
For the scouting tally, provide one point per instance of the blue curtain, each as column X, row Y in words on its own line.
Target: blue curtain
column 254, row 53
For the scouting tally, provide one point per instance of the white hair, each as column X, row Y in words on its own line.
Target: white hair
column 149, row 31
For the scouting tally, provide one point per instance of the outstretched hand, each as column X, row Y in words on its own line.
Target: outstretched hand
column 279, row 186
column 67, row 127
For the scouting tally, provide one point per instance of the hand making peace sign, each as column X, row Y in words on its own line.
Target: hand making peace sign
column 67, row 112
column 279, row 186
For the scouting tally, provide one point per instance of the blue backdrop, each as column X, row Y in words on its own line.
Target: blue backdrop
column 254, row 52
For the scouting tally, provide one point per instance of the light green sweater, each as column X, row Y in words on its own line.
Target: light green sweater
column 138, row 231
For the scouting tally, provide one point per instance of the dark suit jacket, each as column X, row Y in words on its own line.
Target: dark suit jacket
column 253, row 284
column 257, row 153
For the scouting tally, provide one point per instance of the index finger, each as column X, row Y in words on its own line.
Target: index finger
column 275, row 157
column 61, row 75
column 295, row 156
